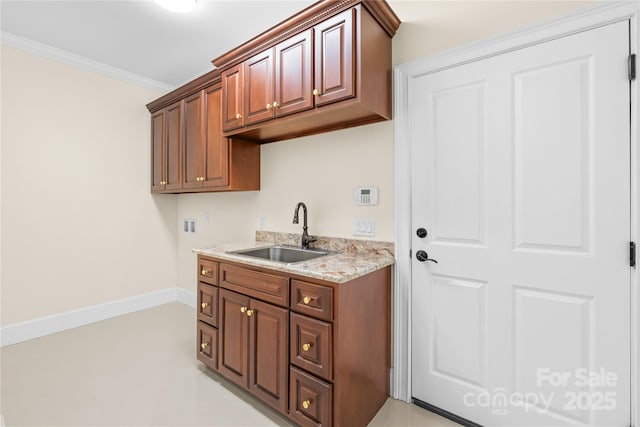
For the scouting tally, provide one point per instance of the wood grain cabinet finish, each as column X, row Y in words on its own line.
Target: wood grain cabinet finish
column 207, row 304
column 166, row 145
column 207, row 345
column 233, row 98
column 189, row 150
column 332, row 70
column 334, row 61
column 311, row 400
column 253, row 343
column 317, row 352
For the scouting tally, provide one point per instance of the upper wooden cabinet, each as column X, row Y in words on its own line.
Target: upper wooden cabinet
column 189, row 150
column 326, row 68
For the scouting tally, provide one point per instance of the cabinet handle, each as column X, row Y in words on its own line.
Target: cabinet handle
column 204, row 345
column 238, row 116
column 306, row 300
column 307, row 346
column 243, row 309
column 269, row 106
column 204, row 305
column 275, row 104
column 250, row 312
column 306, row 404
column 204, row 272
column 315, row 92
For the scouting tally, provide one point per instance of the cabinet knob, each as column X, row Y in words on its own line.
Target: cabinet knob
column 204, row 305
column 163, row 182
column 243, row 309
column 204, row 272
column 306, row 300
column 306, row 404
column 250, row 312
column 204, row 345
column 315, row 92
column 307, row 346
column 275, row 104
column 268, row 106
column 238, row 116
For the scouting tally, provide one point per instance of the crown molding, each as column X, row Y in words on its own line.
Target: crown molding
column 84, row 63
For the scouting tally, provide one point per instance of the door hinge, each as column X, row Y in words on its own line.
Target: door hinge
column 632, row 254
column 411, row 253
column 632, row 66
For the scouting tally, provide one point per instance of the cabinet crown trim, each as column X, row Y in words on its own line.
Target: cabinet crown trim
column 305, row 19
column 204, row 81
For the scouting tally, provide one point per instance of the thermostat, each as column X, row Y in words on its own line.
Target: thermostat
column 366, row 196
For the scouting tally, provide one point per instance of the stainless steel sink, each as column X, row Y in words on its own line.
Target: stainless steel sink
column 285, row 254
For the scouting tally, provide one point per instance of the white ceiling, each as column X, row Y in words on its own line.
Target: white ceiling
column 141, row 37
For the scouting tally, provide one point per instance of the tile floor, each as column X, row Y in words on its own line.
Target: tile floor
column 138, row 370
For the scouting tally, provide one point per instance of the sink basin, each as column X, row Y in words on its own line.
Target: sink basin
column 286, row 254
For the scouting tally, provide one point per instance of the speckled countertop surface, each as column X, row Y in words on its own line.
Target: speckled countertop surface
column 351, row 259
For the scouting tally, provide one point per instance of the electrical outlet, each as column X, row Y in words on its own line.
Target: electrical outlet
column 363, row 227
column 189, row 225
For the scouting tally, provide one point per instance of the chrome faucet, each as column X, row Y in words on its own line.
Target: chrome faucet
column 306, row 239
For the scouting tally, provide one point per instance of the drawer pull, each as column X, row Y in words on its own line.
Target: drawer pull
column 243, row 309
column 307, row 346
column 238, row 116
column 250, row 312
column 204, row 272
column 204, row 305
column 306, row 300
column 316, row 92
column 306, row 404
column 204, row 345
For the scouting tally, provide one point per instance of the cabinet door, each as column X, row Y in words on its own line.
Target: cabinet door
column 158, row 165
column 233, row 98
column 233, row 337
column 259, row 92
column 334, row 58
column 268, row 355
column 193, row 139
column 293, row 74
column 173, row 127
column 215, row 157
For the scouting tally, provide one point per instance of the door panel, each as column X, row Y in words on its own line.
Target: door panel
column 521, row 177
column 158, row 167
column 233, row 98
column 193, row 139
column 269, row 361
column 216, row 147
column 173, row 117
column 233, row 358
column 293, row 74
column 259, row 88
column 334, row 58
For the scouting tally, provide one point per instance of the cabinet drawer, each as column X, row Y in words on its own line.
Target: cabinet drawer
column 310, row 399
column 208, row 304
column 207, row 271
column 267, row 287
column 314, row 300
column 207, row 345
column 311, row 345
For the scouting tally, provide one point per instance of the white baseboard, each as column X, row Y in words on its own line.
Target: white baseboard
column 186, row 297
column 24, row 331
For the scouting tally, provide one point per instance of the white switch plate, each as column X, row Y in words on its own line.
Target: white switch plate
column 189, row 225
column 363, row 227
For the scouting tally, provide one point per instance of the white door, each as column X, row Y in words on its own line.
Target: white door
column 521, row 179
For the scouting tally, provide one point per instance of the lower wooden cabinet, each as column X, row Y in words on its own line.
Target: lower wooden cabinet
column 317, row 352
column 253, row 344
column 310, row 399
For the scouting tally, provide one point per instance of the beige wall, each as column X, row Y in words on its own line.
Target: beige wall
column 79, row 226
column 323, row 170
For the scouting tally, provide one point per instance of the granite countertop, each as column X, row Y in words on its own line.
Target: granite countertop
column 350, row 259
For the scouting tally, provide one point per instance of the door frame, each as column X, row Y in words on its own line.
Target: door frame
column 578, row 21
